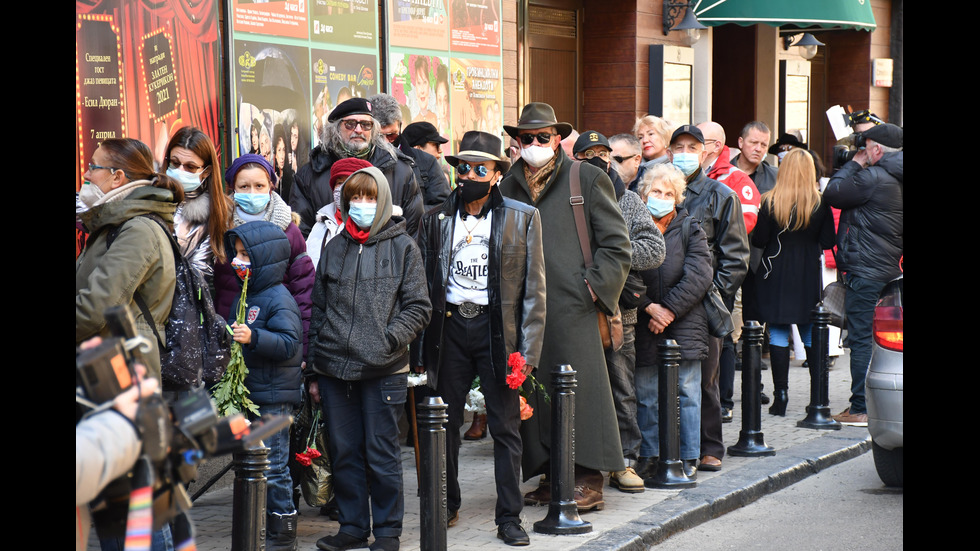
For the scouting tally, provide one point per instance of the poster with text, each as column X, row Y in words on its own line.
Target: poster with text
column 344, row 22
column 476, row 97
column 274, row 18
column 337, row 77
column 144, row 75
column 475, row 26
column 418, row 24
column 272, row 100
column 420, row 83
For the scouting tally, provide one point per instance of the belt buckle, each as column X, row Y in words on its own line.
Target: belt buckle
column 469, row 310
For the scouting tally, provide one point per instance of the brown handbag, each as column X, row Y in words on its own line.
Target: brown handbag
column 610, row 327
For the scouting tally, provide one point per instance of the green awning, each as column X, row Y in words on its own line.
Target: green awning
column 830, row 14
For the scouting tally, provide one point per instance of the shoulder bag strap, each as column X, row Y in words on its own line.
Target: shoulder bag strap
column 578, row 208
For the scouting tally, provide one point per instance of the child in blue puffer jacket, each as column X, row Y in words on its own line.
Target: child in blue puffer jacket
column 272, row 343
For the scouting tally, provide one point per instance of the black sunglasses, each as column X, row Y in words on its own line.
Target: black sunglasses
column 622, row 160
column 543, row 138
column 351, row 124
column 463, row 169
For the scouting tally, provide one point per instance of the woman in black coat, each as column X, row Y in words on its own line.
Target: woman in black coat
column 795, row 225
column 672, row 309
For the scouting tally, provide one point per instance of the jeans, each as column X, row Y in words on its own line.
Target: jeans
column 466, row 353
column 859, row 304
column 779, row 335
column 279, row 485
column 622, row 365
column 362, row 421
column 161, row 540
column 647, row 399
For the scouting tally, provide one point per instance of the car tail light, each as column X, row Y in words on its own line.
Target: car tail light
column 888, row 331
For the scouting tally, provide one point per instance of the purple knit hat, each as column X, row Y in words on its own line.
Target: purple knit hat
column 245, row 159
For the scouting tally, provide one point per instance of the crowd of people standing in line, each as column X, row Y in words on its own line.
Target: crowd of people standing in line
column 355, row 284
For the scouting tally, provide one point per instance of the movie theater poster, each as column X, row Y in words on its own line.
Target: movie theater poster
column 272, row 93
column 337, row 77
column 274, row 18
column 418, row 24
column 344, row 22
column 475, row 26
column 476, row 97
column 420, row 83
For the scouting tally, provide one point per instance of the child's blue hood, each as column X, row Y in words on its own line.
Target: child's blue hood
column 268, row 250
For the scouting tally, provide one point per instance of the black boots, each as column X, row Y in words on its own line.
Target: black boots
column 779, row 358
column 281, row 532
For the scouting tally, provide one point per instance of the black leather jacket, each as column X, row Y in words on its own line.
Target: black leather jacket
column 717, row 208
column 311, row 189
column 516, row 282
column 870, row 240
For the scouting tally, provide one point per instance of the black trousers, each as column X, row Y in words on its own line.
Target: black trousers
column 465, row 354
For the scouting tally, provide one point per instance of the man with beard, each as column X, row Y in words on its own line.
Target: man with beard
column 352, row 131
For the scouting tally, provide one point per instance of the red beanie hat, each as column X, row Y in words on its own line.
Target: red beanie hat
column 343, row 168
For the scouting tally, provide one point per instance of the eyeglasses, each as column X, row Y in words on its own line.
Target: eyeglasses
column 92, row 167
column 390, row 136
column 620, row 159
column 590, row 153
column 543, row 138
column 193, row 169
column 351, row 124
column 480, row 170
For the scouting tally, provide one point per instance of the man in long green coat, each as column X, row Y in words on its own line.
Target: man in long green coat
column 571, row 336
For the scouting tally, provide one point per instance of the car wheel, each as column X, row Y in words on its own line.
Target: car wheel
column 889, row 464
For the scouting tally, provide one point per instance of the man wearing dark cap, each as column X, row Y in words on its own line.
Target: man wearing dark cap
column 484, row 260
column 352, row 131
column 424, row 135
column 432, row 181
column 648, row 253
column 717, row 208
column 542, row 178
column 868, row 190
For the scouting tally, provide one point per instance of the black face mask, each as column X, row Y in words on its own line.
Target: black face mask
column 599, row 163
column 470, row 190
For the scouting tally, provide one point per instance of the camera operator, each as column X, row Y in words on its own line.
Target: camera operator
column 868, row 190
column 106, row 447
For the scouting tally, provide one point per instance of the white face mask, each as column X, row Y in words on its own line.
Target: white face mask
column 90, row 194
column 537, row 156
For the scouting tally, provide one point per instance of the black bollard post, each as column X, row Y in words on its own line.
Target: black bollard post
column 562, row 515
column 751, row 441
column 670, row 470
column 818, row 412
column 248, row 500
column 432, row 419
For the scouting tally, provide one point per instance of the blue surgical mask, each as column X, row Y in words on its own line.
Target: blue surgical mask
column 659, row 207
column 687, row 162
column 189, row 180
column 363, row 213
column 252, row 203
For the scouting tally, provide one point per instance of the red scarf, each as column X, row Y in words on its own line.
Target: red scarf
column 357, row 233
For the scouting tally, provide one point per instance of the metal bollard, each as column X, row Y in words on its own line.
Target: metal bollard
column 248, row 500
column 751, row 441
column 562, row 515
column 670, row 470
column 818, row 412
column 432, row 419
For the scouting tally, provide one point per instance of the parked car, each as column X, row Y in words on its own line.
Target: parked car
column 883, row 386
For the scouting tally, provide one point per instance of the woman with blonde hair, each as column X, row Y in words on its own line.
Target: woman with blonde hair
column 654, row 135
column 795, row 225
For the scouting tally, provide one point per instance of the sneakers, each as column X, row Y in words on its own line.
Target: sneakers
column 627, row 481
column 341, row 542
column 849, row 419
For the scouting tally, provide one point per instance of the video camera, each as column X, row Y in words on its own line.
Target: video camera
column 175, row 438
column 849, row 142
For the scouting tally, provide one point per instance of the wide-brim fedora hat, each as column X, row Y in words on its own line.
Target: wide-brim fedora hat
column 479, row 147
column 786, row 139
column 538, row 115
